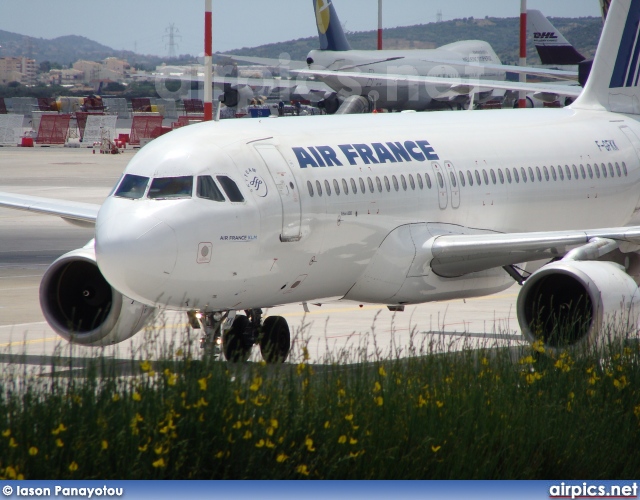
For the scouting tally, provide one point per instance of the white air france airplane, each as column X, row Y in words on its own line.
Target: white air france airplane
column 392, row 209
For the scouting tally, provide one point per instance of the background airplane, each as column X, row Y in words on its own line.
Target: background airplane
column 362, row 80
column 217, row 218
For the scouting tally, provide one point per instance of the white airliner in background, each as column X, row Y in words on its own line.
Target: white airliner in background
column 392, row 209
column 362, row 80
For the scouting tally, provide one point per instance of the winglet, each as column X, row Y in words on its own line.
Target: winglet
column 330, row 31
column 552, row 46
column 613, row 83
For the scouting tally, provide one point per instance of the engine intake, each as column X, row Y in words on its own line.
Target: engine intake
column 575, row 303
column 81, row 306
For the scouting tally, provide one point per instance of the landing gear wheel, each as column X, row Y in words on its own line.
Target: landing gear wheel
column 275, row 341
column 234, row 344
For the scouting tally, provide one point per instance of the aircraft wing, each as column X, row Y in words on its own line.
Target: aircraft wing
column 72, row 211
column 452, row 255
column 529, row 70
column 459, row 85
column 265, row 61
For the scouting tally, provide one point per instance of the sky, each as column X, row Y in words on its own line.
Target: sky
column 143, row 25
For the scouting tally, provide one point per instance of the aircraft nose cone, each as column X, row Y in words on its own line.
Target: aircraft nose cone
column 136, row 255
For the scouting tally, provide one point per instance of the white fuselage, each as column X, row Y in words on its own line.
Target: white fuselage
column 466, row 59
column 282, row 244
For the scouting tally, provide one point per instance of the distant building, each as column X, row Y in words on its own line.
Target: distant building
column 17, row 69
column 66, row 77
column 90, row 70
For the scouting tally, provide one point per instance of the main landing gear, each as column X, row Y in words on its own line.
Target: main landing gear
column 235, row 335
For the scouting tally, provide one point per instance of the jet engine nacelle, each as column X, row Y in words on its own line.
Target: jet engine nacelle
column 237, row 96
column 330, row 103
column 574, row 303
column 82, row 307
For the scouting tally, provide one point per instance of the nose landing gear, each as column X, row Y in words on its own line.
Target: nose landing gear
column 273, row 335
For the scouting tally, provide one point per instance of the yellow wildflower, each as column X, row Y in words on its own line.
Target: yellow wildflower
column 202, row 382
column 302, row 469
column 636, row 411
column 379, row 400
column 281, row 458
column 256, row 384
column 305, row 353
column 327, row 424
column 259, row 400
column 239, row 400
column 341, row 393
column 382, row 372
column 179, row 352
column 172, row 379
column 270, row 431
column 484, row 361
column 349, row 417
column 260, row 443
column 247, row 435
column 421, row 401
column 435, row 448
column 58, row 430
column 538, row 346
column 136, row 396
column 269, row 444
column 143, row 448
column 527, row 360
column 6, row 433
column 158, row 449
column 104, row 445
column 620, row 383
column 377, row 387
column 439, row 404
column 274, row 423
column 220, row 454
column 159, row 463
column 115, row 398
column 237, row 425
column 73, row 466
column 342, row 439
column 145, row 366
column 33, row 451
column 356, row 454
column 13, row 443
column 309, row 444
column 59, row 443
column 353, row 441
column 10, row 472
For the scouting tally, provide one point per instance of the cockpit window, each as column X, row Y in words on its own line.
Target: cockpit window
column 208, row 189
column 230, row 188
column 164, row 188
column 132, row 187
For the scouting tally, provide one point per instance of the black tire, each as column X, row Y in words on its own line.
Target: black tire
column 234, row 346
column 275, row 341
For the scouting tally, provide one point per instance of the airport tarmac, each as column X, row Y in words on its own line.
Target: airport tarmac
column 29, row 243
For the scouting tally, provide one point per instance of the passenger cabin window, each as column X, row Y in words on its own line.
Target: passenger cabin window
column 493, row 176
column 508, row 172
column 319, row 188
column 386, row 183
column 470, row 177
column 336, row 187
column 169, row 188
column 327, row 187
column 478, row 181
column 310, row 188
column 208, row 189
column 354, row 188
column 379, row 184
column 370, row 182
column 485, row 177
column 618, row 170
column 231, row 188
column 462, row 181
column 132, row 187
column 362, row 188
column 345, row 187
column 428, row 179
column 515, row 175
column 420, row 183
column 624, row 168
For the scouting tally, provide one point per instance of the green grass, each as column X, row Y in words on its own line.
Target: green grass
column 494, row 414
